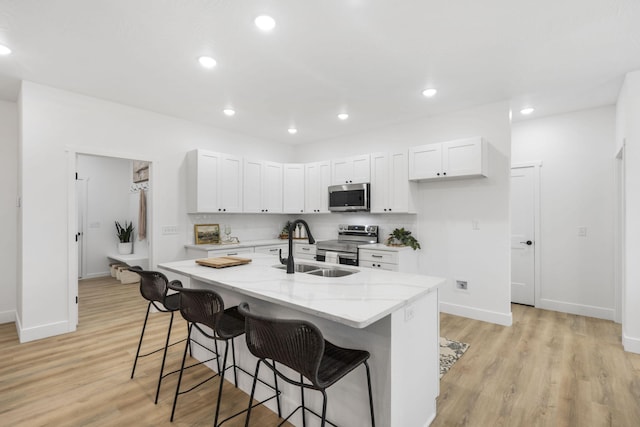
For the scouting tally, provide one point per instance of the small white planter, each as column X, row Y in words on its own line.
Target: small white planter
column 125, row 248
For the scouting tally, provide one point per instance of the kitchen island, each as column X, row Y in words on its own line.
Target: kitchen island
column 392, row 315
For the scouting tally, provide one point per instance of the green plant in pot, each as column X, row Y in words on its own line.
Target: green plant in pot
column 284, row 233
column 125, row 235
column 402, row 237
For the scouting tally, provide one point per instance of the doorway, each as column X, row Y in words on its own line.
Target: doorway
column 525, row 233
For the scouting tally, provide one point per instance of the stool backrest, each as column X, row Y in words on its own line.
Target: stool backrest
column 201, row 306
column 297, row 344
column 153, row 284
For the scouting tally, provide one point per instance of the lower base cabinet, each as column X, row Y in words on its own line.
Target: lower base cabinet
column 391, row 258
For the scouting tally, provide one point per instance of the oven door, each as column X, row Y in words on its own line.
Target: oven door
column 346, row 258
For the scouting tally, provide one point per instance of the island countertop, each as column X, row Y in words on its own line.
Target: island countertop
column 357, row 300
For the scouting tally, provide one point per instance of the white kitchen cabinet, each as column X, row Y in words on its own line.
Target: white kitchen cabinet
column 262, row 186
column 391, row 258
column 294, row 188
column 304, row 251
column 197, row 254
column 317, row 178
column 273, row 250
column 351, row 170
column 451, row 159
column 391, row 190
column 214, row 182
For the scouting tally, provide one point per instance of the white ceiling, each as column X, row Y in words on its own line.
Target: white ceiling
column 371, row 58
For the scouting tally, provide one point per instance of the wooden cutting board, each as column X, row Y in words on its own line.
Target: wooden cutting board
column 223, row 261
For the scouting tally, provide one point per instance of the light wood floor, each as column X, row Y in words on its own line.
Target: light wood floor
column 548, row 369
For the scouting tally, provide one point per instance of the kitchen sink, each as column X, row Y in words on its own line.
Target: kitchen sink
column 299, row 268
column 318, row 270
column 332, row 272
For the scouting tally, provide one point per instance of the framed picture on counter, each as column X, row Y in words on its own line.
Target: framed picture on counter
column 207, row 234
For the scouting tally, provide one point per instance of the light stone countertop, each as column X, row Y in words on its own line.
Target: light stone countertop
column 357, row 300
column 244, row 244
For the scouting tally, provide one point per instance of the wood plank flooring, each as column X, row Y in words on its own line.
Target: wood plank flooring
column 548, row 369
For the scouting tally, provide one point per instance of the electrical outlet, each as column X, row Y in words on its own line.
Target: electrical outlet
column 582, row 231
column 462, row 285
column 409, row 313
column 475, row 224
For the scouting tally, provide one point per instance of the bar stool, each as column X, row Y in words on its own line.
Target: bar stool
column 154, row 287
column 204, row 307
column 300, row 345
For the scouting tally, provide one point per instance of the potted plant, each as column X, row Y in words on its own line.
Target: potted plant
column 284, row 233
column 125, row 235
column 402, row 237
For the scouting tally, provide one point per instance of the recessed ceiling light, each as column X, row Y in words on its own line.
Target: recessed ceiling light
column 527, row 111
column 207, row 61
column 265, row 22
column 229, row 112
column 292, row 131
column 4, row 50
column 429, row 92
column 343, row 116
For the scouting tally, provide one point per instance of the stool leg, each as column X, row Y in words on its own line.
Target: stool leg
column 164, row 357
column 144, row 326
column 253, row 391
column 304, row 408
column 184, row 357
column 221, row 375
column 373, row 421
column 324, row 408
column 235, row 368
column 275, row 383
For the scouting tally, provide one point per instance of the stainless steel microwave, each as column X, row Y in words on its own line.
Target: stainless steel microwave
column 349, row 197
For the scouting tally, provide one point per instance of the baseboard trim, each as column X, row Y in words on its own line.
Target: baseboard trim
column 42, row 331
column 630, row 344
column 579, row 309
column 7, row 316
column 95, row 275
column 504, row 319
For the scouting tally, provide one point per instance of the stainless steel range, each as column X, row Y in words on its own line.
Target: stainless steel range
column 345, row 249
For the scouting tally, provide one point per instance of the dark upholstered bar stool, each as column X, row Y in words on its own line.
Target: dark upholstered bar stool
column 300, row 345
column 154, row 287
column 204, row 307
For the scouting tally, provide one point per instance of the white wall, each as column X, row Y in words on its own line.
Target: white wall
column 577, row 190
column 108, row 200
column 52, row 120
column 450, row 248
column 628, row 132
column 8, row 211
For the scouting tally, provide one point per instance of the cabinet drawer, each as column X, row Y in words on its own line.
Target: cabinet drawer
column 378, row 256
column 379, row 265
column 273, row 250
column 229, row 252
column 301, row 249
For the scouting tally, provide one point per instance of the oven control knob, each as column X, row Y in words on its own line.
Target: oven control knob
column 371, row 229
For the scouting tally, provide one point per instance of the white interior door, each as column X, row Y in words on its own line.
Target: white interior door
column 81, row 200
column 523, row 220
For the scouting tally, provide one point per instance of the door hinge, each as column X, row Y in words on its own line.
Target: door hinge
column 76, row 176
column 76, row 299
column 76, row 237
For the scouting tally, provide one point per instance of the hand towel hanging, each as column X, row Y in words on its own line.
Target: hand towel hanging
column 142, row 217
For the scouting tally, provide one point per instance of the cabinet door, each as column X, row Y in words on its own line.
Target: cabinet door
column 272, row 187
column 399, row 187
column 317, row 181
column 380, row 182
column 324, row 172
column 361, row 169
column 252, row 186
column 230, row 184
column 462, row 157
column 341, row 171
column 425, row 161
column 294, row 184
column 202, row 183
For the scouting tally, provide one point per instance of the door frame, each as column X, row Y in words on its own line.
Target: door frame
column 72, row 218
column 619, row 235
column 537, row 235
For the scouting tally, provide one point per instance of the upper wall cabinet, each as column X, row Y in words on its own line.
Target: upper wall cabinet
column 351, row 170
column 317, row 179
column 451, row 159
column 262, row 187
column 391, row 190
column 214, row 182
column 294, row 186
